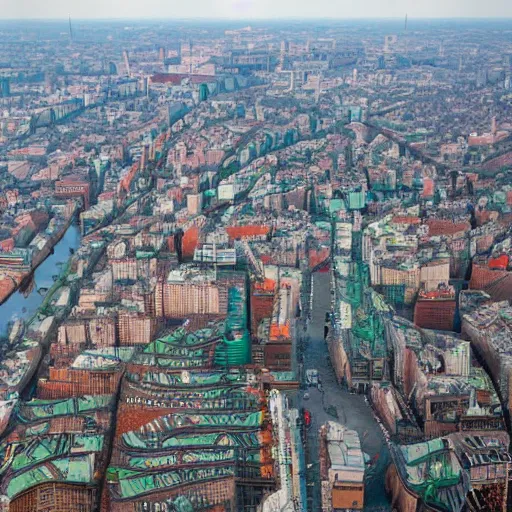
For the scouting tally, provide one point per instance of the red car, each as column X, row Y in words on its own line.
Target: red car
column 307, row 418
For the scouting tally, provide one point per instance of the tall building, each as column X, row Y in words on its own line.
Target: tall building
column 203, row 92
column 126, row 62
column 481, row 78
column 5, row 87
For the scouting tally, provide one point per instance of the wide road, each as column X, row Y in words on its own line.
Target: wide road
column 352, row 410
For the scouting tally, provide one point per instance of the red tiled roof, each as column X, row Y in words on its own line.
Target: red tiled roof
column 235, row 232
column 437, row 227
column 482, row 277
column 501, row 289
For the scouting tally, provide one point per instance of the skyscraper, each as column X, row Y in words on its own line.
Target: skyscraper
column 5, row 87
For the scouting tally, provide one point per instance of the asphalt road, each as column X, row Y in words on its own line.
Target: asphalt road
column 352, row 410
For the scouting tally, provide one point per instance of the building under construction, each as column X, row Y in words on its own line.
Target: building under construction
column 356, row 338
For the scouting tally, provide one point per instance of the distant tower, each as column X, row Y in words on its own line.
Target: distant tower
column 190, row 57
column 203, row 92
column 161, row 54
column 494, row 128
column 126, row 62
column 481, row 77
column 5, row 88
column 283, row 54
column 70, row 30
column 180, row 57
column 354, row 76
column 441, row 49
column 405, row 35
column 144, row 157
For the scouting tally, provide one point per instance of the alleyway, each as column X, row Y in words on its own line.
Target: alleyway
column 352, row 410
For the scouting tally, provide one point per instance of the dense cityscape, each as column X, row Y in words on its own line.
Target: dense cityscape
column 255, row 266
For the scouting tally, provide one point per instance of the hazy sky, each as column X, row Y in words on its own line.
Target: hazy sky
column 253, row 8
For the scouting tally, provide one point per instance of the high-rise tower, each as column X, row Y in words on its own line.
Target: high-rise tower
column 126, row 62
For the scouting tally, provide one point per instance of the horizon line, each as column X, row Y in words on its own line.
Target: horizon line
column 252, row 19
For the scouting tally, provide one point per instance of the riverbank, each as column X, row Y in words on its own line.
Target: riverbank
column 25, row 306
column 37, row 260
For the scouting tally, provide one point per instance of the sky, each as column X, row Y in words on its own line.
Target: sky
column 255, row 9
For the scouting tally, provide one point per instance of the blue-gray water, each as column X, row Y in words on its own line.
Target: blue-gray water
column 19, row 306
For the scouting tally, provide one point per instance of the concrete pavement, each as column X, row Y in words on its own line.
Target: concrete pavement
column 352, row 410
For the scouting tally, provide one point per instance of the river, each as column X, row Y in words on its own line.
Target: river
column 24, row 304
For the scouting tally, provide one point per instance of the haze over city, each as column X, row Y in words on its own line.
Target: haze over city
column 255, row 9
column 255, row 256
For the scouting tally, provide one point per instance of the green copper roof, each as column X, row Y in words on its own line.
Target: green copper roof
column 133, row 483
column 38, row 450
column 72, row 469
column 42, row 409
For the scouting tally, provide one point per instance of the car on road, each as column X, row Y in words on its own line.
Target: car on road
column 307, row 417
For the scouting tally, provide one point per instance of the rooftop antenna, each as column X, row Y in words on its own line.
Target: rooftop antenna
column 70, row 29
